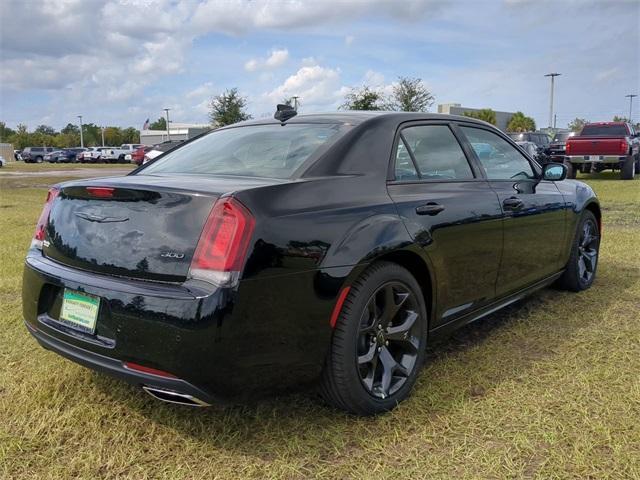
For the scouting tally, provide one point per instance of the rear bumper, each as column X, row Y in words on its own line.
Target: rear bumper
column 596, row 158
column 116, row 367
column 220, row 345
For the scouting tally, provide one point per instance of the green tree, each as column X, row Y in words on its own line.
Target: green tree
column 576, row 124
column 519, row 122
column 130, row 135
column 411, row 95
column 45, row 130
column 228, row 108
column 616, row 118
column 364, row 98
column 5, row 132
column 160, row 124
column 112, row 136
column 21, row 137
column 485, row 114
column 71, row 128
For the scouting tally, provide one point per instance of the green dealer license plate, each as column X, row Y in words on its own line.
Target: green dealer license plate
column 79, row 311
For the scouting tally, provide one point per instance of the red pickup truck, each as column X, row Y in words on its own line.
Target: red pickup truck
column 614, row 145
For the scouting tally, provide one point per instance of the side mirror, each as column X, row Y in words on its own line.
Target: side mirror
column 554, row 172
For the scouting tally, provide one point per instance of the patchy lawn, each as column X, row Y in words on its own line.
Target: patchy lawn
column 549, row 388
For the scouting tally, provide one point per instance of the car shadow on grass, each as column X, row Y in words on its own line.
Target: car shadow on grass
column 476, row 359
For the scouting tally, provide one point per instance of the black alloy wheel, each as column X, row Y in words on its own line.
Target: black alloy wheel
column 581, row 268
column 388, row 339
column 378, row 342
column 588, row 251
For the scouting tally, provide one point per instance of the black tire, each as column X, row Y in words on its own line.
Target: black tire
column 571, row 170
column 371, row 344
column 580, row 271
column 628, row 170
column 38, row 159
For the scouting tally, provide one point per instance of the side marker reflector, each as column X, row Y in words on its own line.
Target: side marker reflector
column 338, row 307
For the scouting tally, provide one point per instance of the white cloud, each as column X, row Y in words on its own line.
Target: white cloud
column 315, row 85
column 239, row 16
column 251, row 65
column 276, row 58
column 348, row 40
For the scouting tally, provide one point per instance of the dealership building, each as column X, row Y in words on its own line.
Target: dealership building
column 177, row 131
column 502, row 118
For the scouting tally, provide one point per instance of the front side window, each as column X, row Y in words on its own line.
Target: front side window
column 500, row 159
column 273, row 151
column 436, row 152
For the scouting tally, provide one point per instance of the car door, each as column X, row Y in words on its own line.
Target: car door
column 451, row 212
column 534, row 211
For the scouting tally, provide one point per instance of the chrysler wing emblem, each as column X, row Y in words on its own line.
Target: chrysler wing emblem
column 100, row 218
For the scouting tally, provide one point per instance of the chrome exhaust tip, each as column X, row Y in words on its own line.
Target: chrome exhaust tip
column 170, row 396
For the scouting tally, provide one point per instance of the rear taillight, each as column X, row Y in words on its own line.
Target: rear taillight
column 567, row 148
column 624, row 146
column 43, row 221
column 223, row 244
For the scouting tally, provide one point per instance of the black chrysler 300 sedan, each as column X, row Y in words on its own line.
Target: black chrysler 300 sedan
column 324, row 249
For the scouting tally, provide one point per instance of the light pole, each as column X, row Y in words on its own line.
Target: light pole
column 553, row 76
column 166, row 111
column 81, row 137
column 631, row 95
column 102, row 128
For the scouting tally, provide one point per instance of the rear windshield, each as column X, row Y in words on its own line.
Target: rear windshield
column 604, row 131
column 273, row 151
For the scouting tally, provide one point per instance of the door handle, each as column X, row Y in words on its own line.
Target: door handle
column 513, row 203
column 430, row 208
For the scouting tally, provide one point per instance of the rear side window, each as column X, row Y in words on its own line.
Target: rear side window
column 500, row 159
column 430, row 152
column 273, row 151
column 604, row 131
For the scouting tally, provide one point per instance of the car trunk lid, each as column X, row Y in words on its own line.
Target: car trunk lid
column 144, row 227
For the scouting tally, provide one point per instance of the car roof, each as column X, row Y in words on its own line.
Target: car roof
column 356, row 117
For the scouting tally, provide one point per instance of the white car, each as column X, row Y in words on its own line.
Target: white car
column 92, row 155
column 115, row 154
column 2, row 161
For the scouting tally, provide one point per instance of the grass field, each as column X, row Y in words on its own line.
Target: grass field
column 549, row 388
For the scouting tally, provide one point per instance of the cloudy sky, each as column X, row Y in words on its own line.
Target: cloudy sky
column 118, row 62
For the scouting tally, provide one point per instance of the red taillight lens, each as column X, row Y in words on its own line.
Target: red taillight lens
column 567, row 148
column 223, row 243
column 100, row 192
column 624, row 146
column 38, row 237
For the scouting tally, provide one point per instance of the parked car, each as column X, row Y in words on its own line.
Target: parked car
column 35, row 154
column 319, row 248
column 118, row 155
column 556, row 150
column 161, row 148
column 540, row 139
column 603, row 145
column 92, row 155
column 2, row 161
column 137, row 156
column 17, row 155
column 66, row 155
